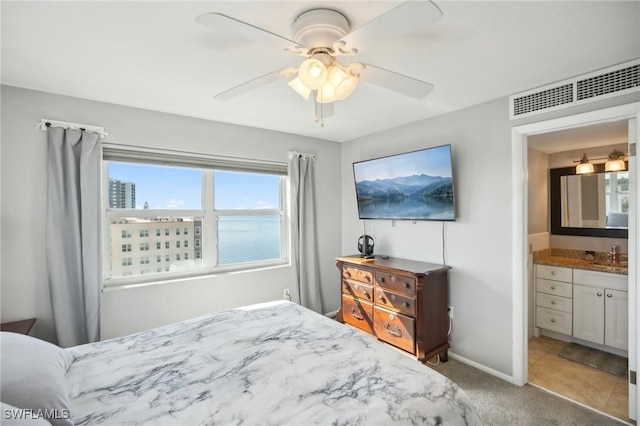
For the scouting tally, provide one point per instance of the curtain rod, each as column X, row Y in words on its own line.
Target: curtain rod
column 45, row 122
column 301, row 154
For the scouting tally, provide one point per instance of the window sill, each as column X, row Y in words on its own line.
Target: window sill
column 129, row 283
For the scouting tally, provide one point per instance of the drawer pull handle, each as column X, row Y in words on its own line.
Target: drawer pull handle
column 381, row 297
column 366, row 294
column 599, row 294
column 357, row 271
column 393, row 297
column 381, row 279
column 609, row 295
column 405, row 285
column 553, row 320
column 553, row 302
column 356, row 286
column 368, row 278
column 553, row 287
column 393, row 278
column 348, row 274
column 395, row 333
column 405, row 305
column 355, row 314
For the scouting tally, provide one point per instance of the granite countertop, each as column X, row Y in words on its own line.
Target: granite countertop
column 579, row 259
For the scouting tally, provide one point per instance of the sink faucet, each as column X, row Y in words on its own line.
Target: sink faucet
column 614, row 255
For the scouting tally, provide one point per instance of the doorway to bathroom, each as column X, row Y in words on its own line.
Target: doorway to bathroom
column 527, row 356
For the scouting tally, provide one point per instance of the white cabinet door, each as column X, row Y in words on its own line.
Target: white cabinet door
column 616, row 323
column 588, row 313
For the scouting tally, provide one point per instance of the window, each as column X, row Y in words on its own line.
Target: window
column 127, row 261
column 236, row 219
column 126, row 233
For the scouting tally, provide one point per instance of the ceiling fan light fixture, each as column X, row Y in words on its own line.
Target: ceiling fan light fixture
column 615, row 162
column 302, row 90
column 585, row 167
column 312, row 73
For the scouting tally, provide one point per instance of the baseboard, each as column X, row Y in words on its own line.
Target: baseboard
column 482, row 367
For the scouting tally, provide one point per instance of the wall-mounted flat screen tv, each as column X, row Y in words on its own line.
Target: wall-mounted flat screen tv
column 415, row 185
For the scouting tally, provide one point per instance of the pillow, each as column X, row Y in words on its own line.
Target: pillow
column 33, row 377
column 12, row 416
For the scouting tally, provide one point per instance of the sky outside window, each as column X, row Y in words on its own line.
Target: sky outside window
column 168, row 187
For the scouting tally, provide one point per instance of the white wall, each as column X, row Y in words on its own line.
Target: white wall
column 478, row 243
column 23, row 285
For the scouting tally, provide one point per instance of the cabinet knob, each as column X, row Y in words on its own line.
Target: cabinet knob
column 405, row 304
column 553, row 272
column 357, row 271
column 356, row 286
column 553, row 302
column 553, row 287
column 609, row 295
column 553, row 320
column 393, row 279
column 405, row 285
column 599, row 294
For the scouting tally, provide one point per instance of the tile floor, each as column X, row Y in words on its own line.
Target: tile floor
column 589, row 386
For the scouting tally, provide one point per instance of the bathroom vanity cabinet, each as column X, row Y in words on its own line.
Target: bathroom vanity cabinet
column 587, row 305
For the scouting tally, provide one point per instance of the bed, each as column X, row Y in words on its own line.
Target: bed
column 269, row 364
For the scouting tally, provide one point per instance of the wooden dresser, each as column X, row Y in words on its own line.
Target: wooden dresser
column 401, row 302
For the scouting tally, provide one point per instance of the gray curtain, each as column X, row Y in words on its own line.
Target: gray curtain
column 73, row 234
column 303, row 224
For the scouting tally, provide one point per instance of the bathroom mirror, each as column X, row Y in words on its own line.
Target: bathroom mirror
column 594, row 205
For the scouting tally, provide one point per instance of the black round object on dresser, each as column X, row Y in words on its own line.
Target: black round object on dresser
column 365, row 245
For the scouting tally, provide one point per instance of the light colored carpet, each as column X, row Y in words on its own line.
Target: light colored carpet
column 501, row 403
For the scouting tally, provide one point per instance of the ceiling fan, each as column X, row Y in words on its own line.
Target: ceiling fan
column 323, row 35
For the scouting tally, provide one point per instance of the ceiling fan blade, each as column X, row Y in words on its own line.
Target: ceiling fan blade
column 230, row 25
column 397, row 82
column 255, row 83
column 408, row 17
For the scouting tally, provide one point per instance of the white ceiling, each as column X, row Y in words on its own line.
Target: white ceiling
column 154, row 55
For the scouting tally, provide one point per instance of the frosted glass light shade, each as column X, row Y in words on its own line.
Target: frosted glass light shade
column 302, row 90
column 343, row 83
column 614, row 166
column 312, row 73
column 584, row 168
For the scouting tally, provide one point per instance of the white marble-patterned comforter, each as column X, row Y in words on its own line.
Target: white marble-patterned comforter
column 268, row 364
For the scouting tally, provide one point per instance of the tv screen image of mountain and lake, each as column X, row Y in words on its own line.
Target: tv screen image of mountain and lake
column 416, row 185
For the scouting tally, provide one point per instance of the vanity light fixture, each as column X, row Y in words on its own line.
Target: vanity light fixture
column 584, row 167
column 615, row 162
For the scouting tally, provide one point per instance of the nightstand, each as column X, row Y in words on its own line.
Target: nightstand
column 22, row 326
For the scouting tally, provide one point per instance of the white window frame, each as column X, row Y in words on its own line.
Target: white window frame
column 208, row 232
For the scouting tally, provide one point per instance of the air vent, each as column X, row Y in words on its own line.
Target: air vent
column 613, row 81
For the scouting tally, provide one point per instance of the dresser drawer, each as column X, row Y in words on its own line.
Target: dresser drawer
column 358, row 313
column 556, row 273
column 550, row 319
column 355, row 273
column 398, row 302
column 557, row 288
column 395, row 328
column 358, row 289
column 564, row 304
column 397, row 283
